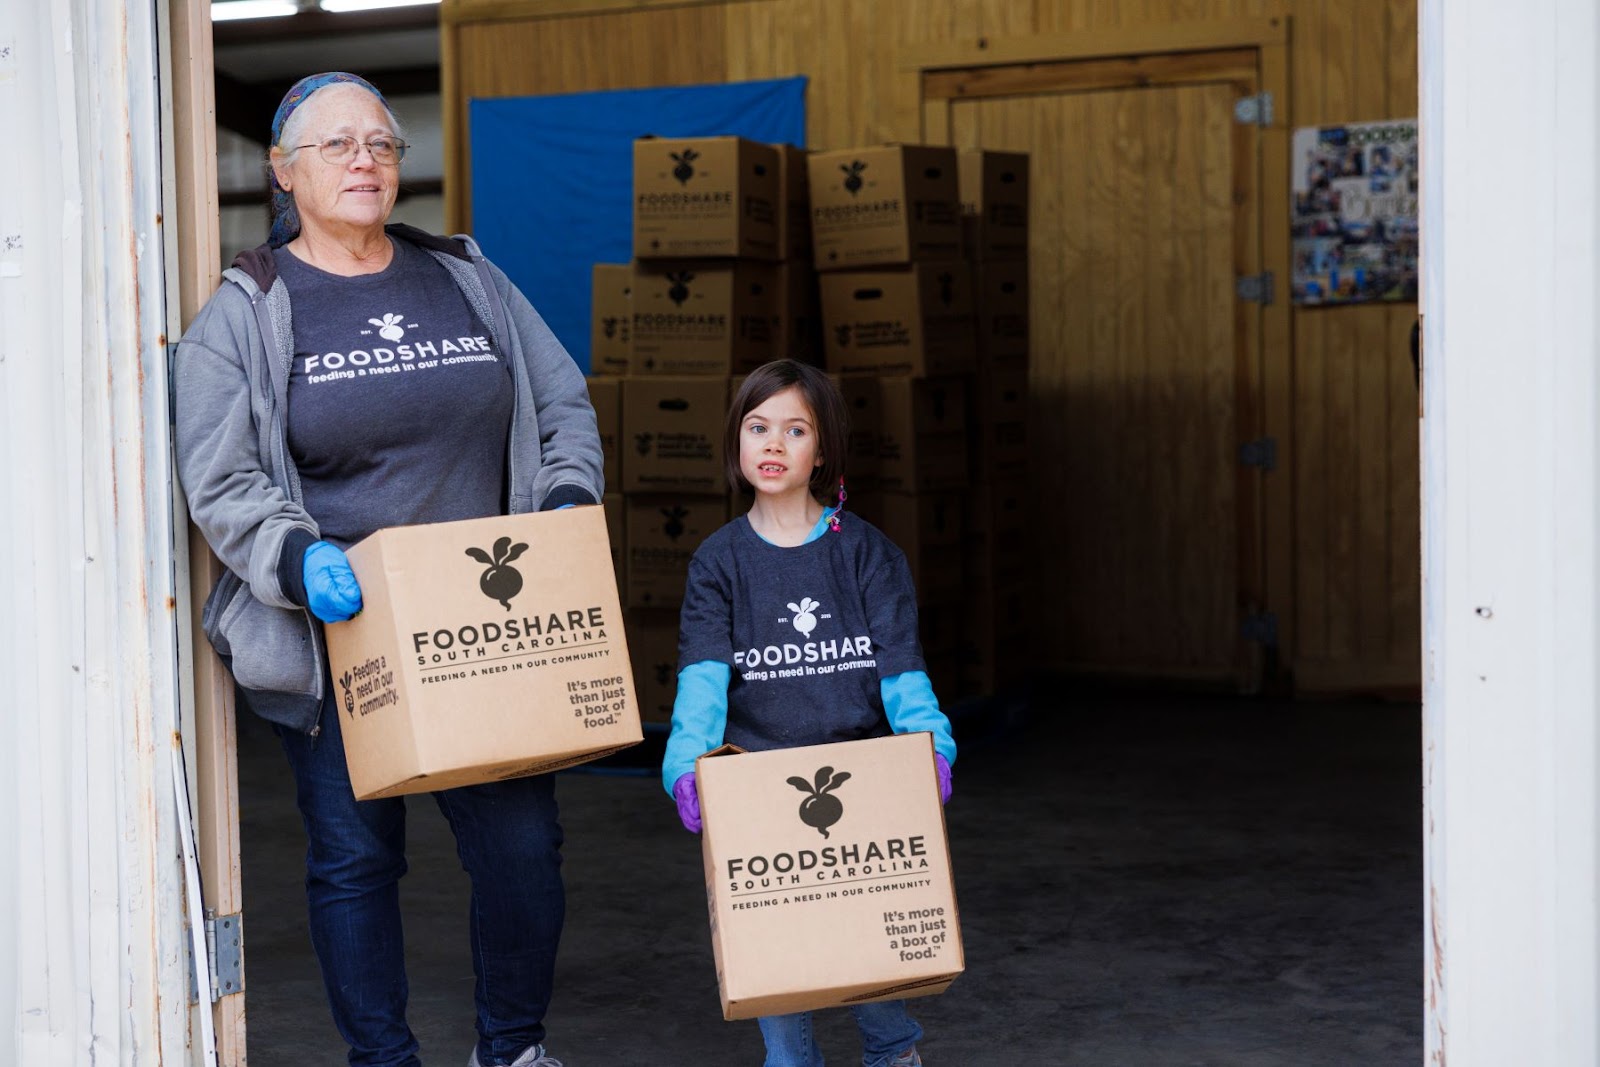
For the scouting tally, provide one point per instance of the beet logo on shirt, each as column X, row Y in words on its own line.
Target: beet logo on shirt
column 389, row 327
column 805, row 619
column 500, row 581
column 821, row 809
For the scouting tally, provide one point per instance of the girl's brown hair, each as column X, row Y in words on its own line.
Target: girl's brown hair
column 821, row 395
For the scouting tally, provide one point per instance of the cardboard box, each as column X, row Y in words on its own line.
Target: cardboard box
column 617, row 524
column 863, row 400
column 611, row 318
column 672, row 430
column 884, row 205
column 940, row 628
column 487, row 649
column 912, row 321
column 605, row 396
column 828, row 875
column 653, row 644
column 794, row 198
column 1000, row 412
column 704, row 196
column 867, row 503
column 702, row 317
column 1000, row 295
column 995, row 648
column 797, row 320
column 663, row 532
column 923, row 435
column 997, row 533
column 994, row 193
column 927, row 527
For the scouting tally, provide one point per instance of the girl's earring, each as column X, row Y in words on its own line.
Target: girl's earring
column 833, row 520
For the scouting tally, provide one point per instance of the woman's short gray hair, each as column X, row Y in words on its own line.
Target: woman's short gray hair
column 291, row 134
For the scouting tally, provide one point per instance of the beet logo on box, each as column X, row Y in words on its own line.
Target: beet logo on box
column 852, row 175
column 680, row 286
column 500, row 581
column 673, row 527
column 685, row 164
column 821, row 809
column 349, row 698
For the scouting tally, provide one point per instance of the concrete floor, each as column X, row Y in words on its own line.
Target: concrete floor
column 1142, row 881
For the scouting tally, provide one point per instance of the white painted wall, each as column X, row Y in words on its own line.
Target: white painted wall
column 93, row 963
column 1510, row 449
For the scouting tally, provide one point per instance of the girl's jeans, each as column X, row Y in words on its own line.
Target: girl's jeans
column 509, row 843
column 886, row 1031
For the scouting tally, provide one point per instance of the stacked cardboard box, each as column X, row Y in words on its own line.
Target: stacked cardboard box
column 994, row 199
column 720, row 283
column 898, row 330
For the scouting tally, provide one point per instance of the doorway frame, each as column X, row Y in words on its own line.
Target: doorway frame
column 1139, row 56
column 208, row 690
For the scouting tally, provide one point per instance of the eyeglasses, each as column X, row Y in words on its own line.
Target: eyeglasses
column 339, row 150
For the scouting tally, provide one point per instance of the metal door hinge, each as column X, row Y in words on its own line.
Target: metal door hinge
column 1262, row 452
column 1256, row 288
column 225, row 947
column 1254, row 110
column 1262, row 628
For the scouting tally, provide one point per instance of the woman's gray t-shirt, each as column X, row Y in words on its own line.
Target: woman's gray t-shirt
column 400, row 403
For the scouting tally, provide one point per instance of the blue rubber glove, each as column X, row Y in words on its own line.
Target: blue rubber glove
column 688, row 798
column 332, row 593
column 941, row 767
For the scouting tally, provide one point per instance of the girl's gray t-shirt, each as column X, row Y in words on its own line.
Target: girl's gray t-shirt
column 809, row 631
column 400, row 403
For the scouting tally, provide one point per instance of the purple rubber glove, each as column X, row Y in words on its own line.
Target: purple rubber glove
column 941, row 767
column 688, row 798
column 332, row 593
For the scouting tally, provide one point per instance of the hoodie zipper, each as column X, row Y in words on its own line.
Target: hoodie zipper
column 280, row 446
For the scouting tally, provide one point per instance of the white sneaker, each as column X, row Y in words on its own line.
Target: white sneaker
column 532, row 1056
column 908, row 1058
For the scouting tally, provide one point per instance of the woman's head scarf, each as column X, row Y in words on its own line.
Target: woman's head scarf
column 285, row 218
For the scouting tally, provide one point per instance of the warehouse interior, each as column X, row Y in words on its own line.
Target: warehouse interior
column 1186, row 824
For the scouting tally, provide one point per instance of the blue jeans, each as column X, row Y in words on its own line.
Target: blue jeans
column 509, row 843
column 886, row 1031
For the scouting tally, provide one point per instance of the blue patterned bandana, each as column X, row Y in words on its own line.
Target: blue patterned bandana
column 285, row 219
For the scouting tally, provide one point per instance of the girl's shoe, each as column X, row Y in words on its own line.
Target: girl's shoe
column 908, row 1058
column 535, row 1056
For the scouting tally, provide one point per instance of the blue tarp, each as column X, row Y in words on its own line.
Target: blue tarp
column 552, row 177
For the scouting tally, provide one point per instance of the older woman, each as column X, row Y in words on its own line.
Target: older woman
column 289, row 451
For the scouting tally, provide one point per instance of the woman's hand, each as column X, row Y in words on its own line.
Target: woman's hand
column 941, row 767
column 688, row 798
column 332, row 592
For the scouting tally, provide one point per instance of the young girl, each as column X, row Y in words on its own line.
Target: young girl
column 786, row 440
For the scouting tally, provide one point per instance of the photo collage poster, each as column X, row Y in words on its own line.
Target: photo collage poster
column 1355, row 212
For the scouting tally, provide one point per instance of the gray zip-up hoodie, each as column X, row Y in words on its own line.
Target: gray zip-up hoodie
column 230, row 381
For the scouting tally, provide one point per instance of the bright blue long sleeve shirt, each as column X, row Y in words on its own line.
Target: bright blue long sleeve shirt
column 700, row 709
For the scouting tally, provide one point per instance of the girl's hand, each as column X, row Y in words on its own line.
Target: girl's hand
column 688, row 798
column 941, row 767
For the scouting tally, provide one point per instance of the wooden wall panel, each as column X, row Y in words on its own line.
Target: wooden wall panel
column 1133, row 406
column 1355, row 615
column 1358, row 568
column 574, row 54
